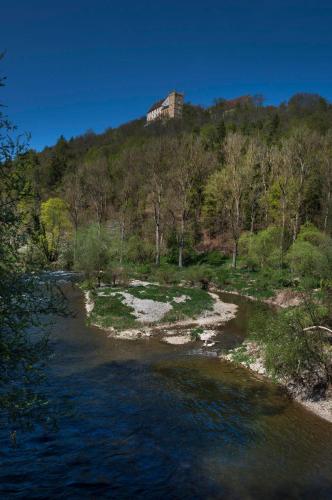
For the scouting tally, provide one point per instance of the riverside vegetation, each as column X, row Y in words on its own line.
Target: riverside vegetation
column 235, row 198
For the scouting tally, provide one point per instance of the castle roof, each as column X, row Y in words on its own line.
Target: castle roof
column 156, row 105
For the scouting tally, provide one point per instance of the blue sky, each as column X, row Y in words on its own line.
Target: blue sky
column 78, row 65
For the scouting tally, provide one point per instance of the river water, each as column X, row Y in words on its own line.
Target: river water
column 149, row 420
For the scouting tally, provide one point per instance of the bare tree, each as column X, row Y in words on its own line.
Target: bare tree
column 97, row 185
column 189, row 161
column 157, row 162
column 234, row 176
column 327, row 178
column 75, row 199
column 301, row 149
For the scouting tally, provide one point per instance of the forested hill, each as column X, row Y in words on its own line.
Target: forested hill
column 176, row 189
column 248, row 116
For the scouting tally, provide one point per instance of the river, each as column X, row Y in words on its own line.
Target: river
column 151, row 420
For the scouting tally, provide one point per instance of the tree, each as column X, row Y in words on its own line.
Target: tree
column 75, row 199
column 156, row 158
column 23, row 298
column 301, row 150
column 310, row 256
column 55, row 221
column 189, row 161
column 97, row 186
column 326, row 174
column 226, row 189
column 93, row 244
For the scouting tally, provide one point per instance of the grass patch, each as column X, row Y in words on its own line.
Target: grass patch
column 241, row 356
column 110, row 311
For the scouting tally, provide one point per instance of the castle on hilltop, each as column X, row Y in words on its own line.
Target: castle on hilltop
column 169, row 107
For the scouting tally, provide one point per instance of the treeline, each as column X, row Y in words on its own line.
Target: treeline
column 241, row 179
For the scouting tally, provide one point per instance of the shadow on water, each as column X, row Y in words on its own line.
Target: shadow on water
column 146, row 419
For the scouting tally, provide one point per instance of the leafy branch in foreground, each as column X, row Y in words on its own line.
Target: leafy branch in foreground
column 24, row 298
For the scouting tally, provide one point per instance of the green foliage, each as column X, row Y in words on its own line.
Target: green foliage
column 110, row 311
column 167, row 274
column 92, row 254
column 55, row 220
column 116, row 275
column 24, row 298
column 288, row 349
column 198, row 275
column 241, row 356
column 261, row 250
column 213, row 258
column 138, row 250
column 310, row 256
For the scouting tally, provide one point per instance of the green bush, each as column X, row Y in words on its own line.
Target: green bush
column 167, row 274
column 310, row 256
column 288, row 350
column 198, row 275
column 213, row 258
column 222, row 277
column 139, row 250
column 262, row 249
column 116, row 275
column 92, row 249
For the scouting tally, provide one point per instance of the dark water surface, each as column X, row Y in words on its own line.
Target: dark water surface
column 150, row 420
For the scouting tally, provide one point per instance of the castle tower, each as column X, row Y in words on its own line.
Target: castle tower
column 175, row 104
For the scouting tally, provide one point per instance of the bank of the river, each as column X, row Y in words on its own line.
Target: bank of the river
column 250, row 356
column 203, row 328
column 148, row 420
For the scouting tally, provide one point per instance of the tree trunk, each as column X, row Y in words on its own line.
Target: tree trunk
column 282, row 239
column 235, row 251
column 181, row 243
column 122, row 240
column 327, row 210
column 157, row 244
column 157, row 223
column 180, row 255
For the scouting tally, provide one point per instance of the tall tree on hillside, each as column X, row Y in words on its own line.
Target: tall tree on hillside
column 189, row 161
column 301, row 149
column 226, row 189
column 326, row 174
column 156, row 156
column 130, row 192
column 281, row 194
column 75, row 197
column 97, row 185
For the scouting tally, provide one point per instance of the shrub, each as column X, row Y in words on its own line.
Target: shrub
column 198, row 275
column 310, row 256
column 167, row 274
column 262, row 249
column 222, row 277
column 116, row 275
column 92, row 246
column 213, row 258
column 289, row 350
column 138, row 250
